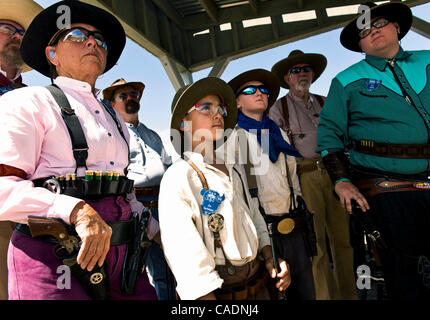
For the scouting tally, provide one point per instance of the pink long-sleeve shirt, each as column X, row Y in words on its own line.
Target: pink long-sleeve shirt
column 34, row 138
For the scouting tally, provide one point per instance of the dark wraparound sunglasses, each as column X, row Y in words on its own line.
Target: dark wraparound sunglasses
column 78, row 35
column 253, row 89
column 123, row 96
column 297, row 70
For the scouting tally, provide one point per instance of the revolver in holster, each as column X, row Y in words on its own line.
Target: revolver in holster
column 310, row 237
column 134, row 261
column 95, row 282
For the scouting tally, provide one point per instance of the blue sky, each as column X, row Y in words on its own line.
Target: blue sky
column 137, row 64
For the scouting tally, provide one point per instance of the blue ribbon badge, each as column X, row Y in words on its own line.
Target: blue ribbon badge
column 372, row 84
column 211, row 201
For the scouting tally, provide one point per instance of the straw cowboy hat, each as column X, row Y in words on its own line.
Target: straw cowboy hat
column 120, row 83
column 44, row 26
column 264, row 76
column 186, row 97
column 316, row 60
column 394, row 12
column 21, row 12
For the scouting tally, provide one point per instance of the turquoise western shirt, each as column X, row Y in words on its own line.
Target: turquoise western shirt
column 366, row 102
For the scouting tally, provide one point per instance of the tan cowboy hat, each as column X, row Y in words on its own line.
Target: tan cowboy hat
column 120, row 83
column 187, row 96
column 394, row 12
column 316, row 60
column 262, row 75
column 21, row 12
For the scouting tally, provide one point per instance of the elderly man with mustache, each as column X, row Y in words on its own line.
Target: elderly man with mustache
column 298, row 114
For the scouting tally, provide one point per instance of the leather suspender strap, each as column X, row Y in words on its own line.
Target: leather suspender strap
column 284, row 102
column 6, row 170
column 79, row 143
column 287, row 119
column 200, row 174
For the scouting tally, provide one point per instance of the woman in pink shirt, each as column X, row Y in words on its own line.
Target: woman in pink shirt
column 37, row 144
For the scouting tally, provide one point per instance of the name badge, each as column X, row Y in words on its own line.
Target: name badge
column 211, row 201
column 372, row 84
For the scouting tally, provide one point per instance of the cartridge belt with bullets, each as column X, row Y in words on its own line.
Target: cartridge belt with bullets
column 392, row 150
column 94, row 185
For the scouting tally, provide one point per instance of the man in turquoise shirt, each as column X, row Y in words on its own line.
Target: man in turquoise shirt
column 379, row 111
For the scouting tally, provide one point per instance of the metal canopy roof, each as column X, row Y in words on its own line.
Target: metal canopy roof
column 190, row 35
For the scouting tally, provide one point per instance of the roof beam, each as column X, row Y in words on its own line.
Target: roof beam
column 170, row 11
column 210, row 8
column 270, row 8
column 421, row 27
column 254, row 6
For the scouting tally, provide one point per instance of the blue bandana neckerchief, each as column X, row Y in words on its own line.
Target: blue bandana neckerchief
column 277, row 144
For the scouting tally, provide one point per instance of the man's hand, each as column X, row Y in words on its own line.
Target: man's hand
column 284, row 275
column 346, row 192
column 94, row 233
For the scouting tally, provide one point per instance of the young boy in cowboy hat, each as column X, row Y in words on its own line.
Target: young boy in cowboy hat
column 39, row 132
column 298, row 114
column 212, row 234
column 380, row 109
column 275, row 178
column 15, row 17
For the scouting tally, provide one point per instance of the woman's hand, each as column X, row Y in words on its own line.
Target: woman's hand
column 94, row 233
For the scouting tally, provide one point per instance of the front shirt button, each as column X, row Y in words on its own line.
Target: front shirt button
column 109, row 134
column 97, row 111
column 112, row 163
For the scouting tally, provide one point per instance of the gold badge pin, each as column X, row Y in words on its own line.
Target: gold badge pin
column 285, row 226
column 215, row 222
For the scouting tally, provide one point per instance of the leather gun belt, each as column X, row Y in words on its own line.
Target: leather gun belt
column 374, row 186
column 392, row 150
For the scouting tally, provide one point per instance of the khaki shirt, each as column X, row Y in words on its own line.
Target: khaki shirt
column 188, row 244
column 271, row 178
column 303, row 120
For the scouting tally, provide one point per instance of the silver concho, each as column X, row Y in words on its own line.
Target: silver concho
column 215, row 222
column 52, row 185
column 96, row 278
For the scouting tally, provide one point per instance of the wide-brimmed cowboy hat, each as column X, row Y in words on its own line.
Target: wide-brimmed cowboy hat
column 120, row 83
column 47, row 23
column 393, row 12
column 316, row 60
column 21, row 12
column 262, row 75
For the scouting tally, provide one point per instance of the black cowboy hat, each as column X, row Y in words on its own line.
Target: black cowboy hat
column 393, row 12
column 262, row 75
column 44, row 26
column 316, row 60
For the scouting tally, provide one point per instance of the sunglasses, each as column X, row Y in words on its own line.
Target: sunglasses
column 10, row 29
column 208, row 108
column 123, row 96
column 253, row 89
column 79, row 35
column 297, row 70
column 378, row 24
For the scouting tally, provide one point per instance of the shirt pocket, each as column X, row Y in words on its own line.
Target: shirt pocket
column 370, row 94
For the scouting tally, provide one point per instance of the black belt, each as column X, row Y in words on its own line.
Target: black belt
column 392, row 150
column 286, row 223
column 122, row 232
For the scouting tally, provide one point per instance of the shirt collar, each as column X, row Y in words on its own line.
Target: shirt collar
column 295, row 98
column 18, row 74
column 75, row 84
column 381, row 63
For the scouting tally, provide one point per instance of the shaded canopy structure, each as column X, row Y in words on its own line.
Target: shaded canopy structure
column 190, row 35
